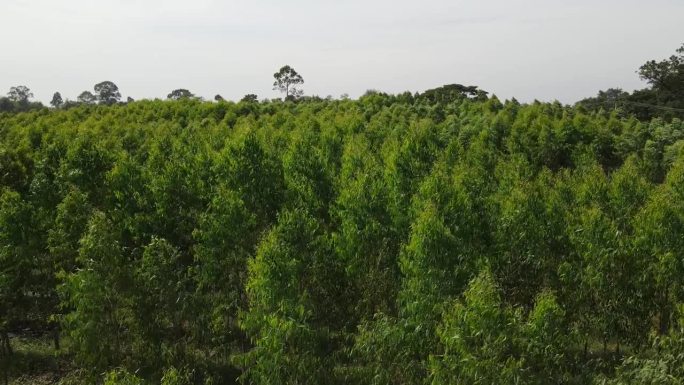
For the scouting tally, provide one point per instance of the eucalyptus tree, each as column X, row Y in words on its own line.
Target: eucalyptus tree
column 57, row 100
column 98, row 296
column 180, row 93
column 287, row 80
column 296, row 304
column 20, row 94
column 107, row 92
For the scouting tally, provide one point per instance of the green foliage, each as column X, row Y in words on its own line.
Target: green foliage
column 121, row 377
column 23, row 267
column 225, row 239
column 663, row 365
column 486, row 342
column 70, row 224
column 295, row 304
column 384, row 352
column 173, row 376
column 163, row 305
column 96, row 296
column 246, row 167
column 547, row 340
column 394, row 239
column 308, row 181
column 479, row 337
column 367, row 240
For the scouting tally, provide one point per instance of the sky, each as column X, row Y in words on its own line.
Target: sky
column 528, row 49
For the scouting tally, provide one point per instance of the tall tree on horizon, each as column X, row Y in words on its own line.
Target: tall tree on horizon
column 86, row 97
column 107, row 92
column 20, row 94
column 180, row 93
column 57, row 100
column 287, row 80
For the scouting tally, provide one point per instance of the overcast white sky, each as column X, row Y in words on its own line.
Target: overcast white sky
column 551, row 49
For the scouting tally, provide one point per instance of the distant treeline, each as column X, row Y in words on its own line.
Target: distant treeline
column 664, row 98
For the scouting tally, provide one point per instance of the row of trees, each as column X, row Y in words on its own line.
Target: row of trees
column 395, row 239
column 287, row 81
column 19, row 98
column 663, row 98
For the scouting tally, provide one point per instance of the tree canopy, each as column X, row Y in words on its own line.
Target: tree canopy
column 287, row 81
column 20, row 94
column 57, row 100
column 107, row 92
column 180, row 93
column 86, row 97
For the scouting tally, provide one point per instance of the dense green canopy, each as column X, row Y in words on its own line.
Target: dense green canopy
column 449, row 238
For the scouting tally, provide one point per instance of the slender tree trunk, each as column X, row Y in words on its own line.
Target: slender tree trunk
column 665, row 313
column 5, row 346
column 55, row 337
column 5, row 354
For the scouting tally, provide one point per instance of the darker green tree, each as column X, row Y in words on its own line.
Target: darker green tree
column 107, row 92
column 86, row 97
column 249, row 98
column 287, row 80
column 56, row 101
column 180, row 93
column 665, row 75
column 20, row 94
